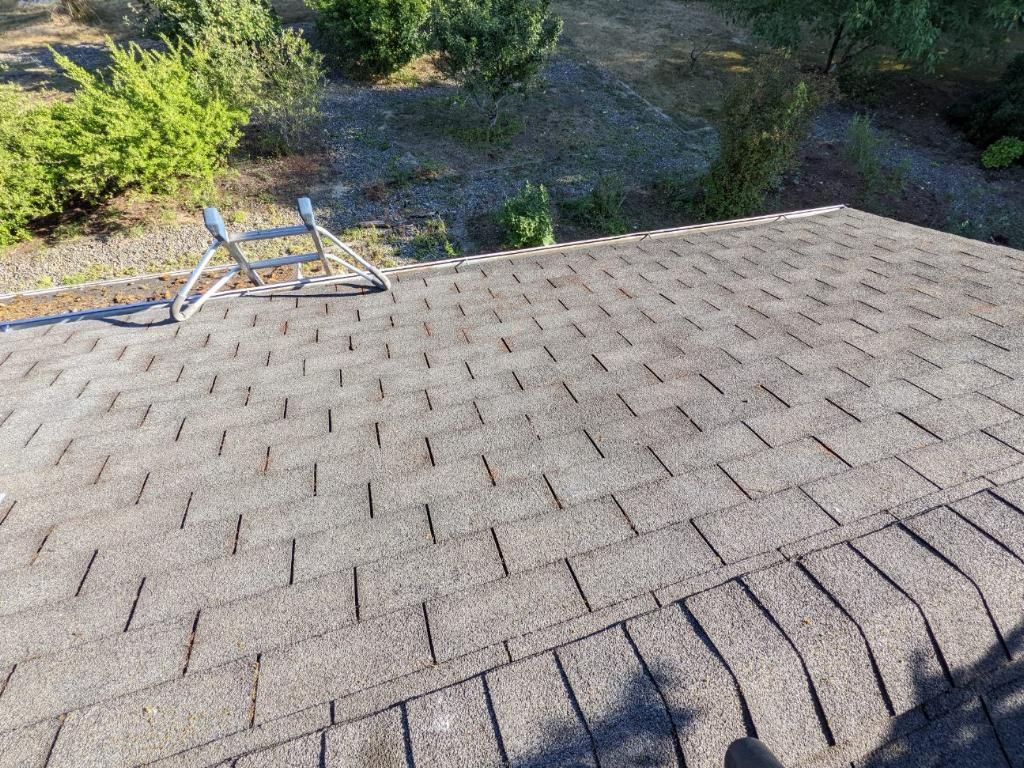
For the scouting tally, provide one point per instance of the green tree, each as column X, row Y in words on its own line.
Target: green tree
column 912, row 28
column 494, row 48
column 28, row 184
column 239, row 22
column 143, row 124
column 371, row 38
column 765, row 118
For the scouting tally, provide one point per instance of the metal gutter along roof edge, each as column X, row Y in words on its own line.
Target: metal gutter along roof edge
column 455, row 262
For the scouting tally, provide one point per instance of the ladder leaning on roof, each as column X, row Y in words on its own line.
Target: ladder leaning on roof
column 186, row 304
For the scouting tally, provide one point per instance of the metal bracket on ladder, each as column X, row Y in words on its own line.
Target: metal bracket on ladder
column 187, row 304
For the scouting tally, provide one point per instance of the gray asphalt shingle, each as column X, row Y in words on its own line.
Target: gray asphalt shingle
column 318, row 528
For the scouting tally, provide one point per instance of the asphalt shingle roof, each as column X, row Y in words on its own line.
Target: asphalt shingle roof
column 604, row 505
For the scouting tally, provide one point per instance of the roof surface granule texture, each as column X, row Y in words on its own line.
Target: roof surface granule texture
column 606, row 505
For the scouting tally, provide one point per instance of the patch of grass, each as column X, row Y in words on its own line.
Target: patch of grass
column 432, row 241
column 449, row 117
column 372, row 244
column 371, row 140
column 87, row 274
column 402, row 175
column 600, row 210
column 503, row 131
column 66, row 231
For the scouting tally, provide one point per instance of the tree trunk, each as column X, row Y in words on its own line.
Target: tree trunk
column 836, row 38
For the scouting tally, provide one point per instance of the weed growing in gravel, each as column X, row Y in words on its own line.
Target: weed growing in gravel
column 865, row 148
column 526, row 218
column 432, row 242
column 372, row 244
column 86, row 274
column 371, row 140
column 600, row 210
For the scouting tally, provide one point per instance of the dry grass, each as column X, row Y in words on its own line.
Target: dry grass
column 680, row 56
column 40, row 26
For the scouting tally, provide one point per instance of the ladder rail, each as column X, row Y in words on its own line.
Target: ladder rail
column 186, row 303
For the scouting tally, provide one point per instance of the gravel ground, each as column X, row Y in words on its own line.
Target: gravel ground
column 398, row 162
column 979, row 202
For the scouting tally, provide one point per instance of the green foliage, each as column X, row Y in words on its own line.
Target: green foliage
column 600, row 210
column 280, row 83
column 677, row 193
column 28, row 187
column 526, row 218
column 244, row 22
column 146, row 125
column 865, row 148
column 995, row 113
column 1003, row 153
column 911, row 28
column 494, row 48
column 432, row 241
column 371, row 38
column 765, row 118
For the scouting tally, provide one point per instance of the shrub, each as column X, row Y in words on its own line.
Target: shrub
column 371, row 38
column 600, row 210
column 526, row 218
column 1003, row 153
column 251, row 22
column 280, row 83
column 28, row 187
column 146, row 125
column 494, row 48
column 865, row 148
column 996, row 113
column 765, row 118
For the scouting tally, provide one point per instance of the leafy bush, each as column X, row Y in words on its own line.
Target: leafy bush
column 1003, row 153
column 494, row 48
column 371, row 38
column 996, row 113
column 28, row 188
column 280, row 83
column 765, row 118
column 250, row 22
column 600, row 210
column 146, row 125
column 526, row 218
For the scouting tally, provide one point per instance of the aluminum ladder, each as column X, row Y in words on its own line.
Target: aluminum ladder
column 186, row 303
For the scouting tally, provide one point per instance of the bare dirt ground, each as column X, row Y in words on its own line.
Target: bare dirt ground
column 681, row 56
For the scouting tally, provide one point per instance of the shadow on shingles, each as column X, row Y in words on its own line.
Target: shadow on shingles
column 636, row 733
column 119, row 321
column 965, row 731
column 961, row 730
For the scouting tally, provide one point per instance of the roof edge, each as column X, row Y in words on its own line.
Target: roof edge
column 123, row 309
